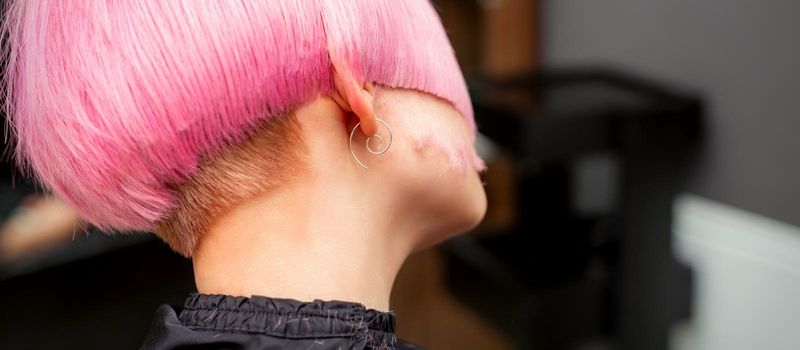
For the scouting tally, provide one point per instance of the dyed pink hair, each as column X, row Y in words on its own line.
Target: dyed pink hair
column 112, row 102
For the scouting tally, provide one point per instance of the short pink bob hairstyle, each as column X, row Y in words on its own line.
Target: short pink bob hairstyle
column 111, row 102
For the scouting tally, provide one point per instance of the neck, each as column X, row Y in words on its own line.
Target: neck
column 291, row 244
column 319, row 236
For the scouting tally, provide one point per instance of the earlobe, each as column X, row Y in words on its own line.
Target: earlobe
column 355, row 97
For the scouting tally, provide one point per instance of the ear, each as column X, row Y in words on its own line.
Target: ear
column 356, row 97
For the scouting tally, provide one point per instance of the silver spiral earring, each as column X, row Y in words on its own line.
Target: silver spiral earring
column 377, row 137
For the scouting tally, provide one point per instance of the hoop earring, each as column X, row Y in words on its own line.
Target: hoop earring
column 369, row 140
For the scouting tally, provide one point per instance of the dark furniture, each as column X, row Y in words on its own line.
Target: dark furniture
column 560, row 278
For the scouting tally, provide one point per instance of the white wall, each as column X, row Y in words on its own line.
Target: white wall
column 742, row 55
column 747, row 278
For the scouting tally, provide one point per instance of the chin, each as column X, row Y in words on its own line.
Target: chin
column 459, row 208
column 470, row 210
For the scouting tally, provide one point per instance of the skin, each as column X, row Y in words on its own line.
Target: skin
column 338, row 231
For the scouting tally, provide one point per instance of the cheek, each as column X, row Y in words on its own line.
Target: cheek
column 453, row 184
column 447, row 199
column 435, row 161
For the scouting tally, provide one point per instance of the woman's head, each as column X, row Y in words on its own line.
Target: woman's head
column 158, row 115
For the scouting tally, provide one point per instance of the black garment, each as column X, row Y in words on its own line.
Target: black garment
column 227, row 322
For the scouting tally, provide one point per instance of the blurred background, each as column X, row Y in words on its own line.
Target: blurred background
column 643, row 189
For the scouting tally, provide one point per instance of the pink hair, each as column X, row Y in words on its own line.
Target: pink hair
column 113, row 102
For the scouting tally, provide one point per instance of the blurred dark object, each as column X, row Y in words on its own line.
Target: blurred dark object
column 572, row 272
column 100, row 292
